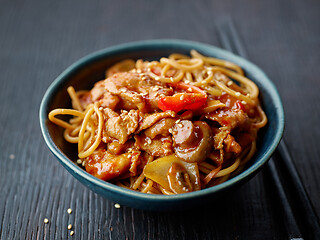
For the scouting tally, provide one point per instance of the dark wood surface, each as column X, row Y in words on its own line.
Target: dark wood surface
column 39, row 39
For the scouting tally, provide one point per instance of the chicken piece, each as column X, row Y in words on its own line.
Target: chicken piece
column 114, row 147
column 106, row 166
column 160, row 128
column 150, row 119
column 160, row 146
column 230, row 145
column 99, row 94
column 120, row 126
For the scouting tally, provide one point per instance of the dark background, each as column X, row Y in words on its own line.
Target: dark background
column 39, row 39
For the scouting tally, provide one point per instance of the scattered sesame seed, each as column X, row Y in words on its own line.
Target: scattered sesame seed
column 244, row 102
column 138, row 70
column 144, row 78
column 117, row 205
column 149, row 141
column 187, row 81
column 180, row 125
column 83, row 163
column 162, row 95
column 189, row 89
column 182, row 97
column 178, row 121
column 248, row 95
column 238, row 94
column 100, row 108
column 229, row 83
column 210, row 73
column 69, row 210
column 157, row 78
column 145, row 144
column 12, row 156
column 144, row 94
column 46, row 220
column 171, row 79
column 71, row 233
column 149, row 69
column 170, row 130
column 69, row 226
column 79, row 161
column 130, row 155
column 155, row 88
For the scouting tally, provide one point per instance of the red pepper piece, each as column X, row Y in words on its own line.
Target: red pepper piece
column 183, row 101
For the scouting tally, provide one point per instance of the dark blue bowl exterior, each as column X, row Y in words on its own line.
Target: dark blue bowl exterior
column 154, row 49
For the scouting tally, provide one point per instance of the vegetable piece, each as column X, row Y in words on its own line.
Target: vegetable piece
column 193, row 99
column 196, row 153
column 179, row 179
column 158, row 171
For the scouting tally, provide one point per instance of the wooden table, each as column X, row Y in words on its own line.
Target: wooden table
column 39, row 39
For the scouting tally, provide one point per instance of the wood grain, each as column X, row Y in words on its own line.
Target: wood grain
column 39, row 39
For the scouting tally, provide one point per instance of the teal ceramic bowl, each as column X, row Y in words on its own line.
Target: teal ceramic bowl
column 90, row 69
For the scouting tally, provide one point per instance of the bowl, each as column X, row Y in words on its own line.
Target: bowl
column 90, row 69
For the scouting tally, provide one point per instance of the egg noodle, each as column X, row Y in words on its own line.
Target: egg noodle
column 216, row 78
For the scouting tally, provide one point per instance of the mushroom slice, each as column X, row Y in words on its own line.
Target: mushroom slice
column 202, row 138
column 158, row 171
column 179, row 179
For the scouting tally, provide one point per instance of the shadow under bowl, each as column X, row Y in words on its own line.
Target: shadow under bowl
column 90, row 69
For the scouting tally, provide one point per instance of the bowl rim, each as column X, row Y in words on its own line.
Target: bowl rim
column 149, row 45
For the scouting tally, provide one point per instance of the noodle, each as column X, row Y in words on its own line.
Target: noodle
column 194, row 119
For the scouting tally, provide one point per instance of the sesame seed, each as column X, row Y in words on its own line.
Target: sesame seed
column 248, row 95
column 162, row 95
column 178, row 121
column 130, row 155
column 149, row 141
column 155, row 88
column 229, row 83
column 83, row 163
column 144, row 94
column 171, row 79
column 145, row 144
column 100, row 108
column 189, row 89
column 79, row 161
column 180, row 125
column 117, row 205
column 69, row 226
column 138, row 70
column 144, row 78
column 244, row 102
column 71, row 233
column 210, row 73
column 182, row 97
column 187, row 81
column 149, row 69
column 170, row 130
column 46, row 220
column 11, row 156
column 157, row 78
column 69, row 210
column 238, row 94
